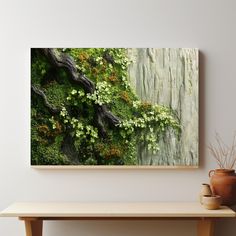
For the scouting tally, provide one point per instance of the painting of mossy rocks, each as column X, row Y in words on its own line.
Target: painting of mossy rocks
column 114, row 107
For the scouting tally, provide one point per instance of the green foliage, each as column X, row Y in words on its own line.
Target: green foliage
column 102, row 95
column 39, row 68
column 141, row 123
column 48, row 154
column 147, row 124
column 46, row 142
column 57, row 93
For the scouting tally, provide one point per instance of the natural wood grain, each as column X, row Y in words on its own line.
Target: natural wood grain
column 205, row 228
column 139, row 209
column 111, row 167
column 118, row 218
column 33, row 214
column 34, row 227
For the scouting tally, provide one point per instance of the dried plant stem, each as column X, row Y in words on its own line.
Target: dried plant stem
column 224, row 155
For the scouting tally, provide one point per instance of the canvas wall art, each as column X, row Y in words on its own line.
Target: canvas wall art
column 134, row 107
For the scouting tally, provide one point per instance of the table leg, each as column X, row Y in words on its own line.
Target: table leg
column 34, row 227
column 205, row 227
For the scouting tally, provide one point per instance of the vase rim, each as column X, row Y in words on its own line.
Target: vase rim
column 211, row 196
column 225, row 170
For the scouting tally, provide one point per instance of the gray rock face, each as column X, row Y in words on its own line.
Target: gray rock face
column 169, row 77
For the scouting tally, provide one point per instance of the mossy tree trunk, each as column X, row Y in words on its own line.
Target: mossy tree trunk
column 62, row 60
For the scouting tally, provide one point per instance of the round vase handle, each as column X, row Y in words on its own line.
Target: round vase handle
column 211, row 171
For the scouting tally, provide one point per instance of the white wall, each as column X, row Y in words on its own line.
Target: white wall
column 208, row 25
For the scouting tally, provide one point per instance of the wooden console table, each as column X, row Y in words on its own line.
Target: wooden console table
column 33, row 214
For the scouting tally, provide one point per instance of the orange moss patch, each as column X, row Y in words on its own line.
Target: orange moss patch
column 43, row 129
column 146, row 105
column 83, row 56
column 112, row 78
column 114, row 151
column 125, row 96
column 95, row 71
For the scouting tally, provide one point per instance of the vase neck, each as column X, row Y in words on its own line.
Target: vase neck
column 225, row 171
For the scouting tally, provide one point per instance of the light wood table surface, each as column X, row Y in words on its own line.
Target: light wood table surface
column 33, row 214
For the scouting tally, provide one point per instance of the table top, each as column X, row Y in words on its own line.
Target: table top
column 113, row 209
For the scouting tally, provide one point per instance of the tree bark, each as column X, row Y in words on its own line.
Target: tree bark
column 62, row 60
column 169, row 77
column 52, row 109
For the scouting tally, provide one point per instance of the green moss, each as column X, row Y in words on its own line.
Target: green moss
column 39, row 68
column 47, row 154
column 57, row 93
column 141, row 123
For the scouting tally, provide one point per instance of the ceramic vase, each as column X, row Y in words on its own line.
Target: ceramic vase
column 205, row 190
column 223, row 183
column 211, row 202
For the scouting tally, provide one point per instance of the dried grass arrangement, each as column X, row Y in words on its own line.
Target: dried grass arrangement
column 224, row 154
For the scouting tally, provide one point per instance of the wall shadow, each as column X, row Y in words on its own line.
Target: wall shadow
column 202, row 96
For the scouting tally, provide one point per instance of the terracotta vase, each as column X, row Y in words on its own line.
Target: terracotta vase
column 205, row 190
column 223, row 183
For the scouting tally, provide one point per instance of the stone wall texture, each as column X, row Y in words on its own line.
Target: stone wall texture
column 170, row 77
